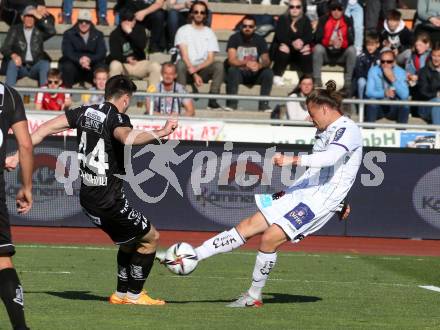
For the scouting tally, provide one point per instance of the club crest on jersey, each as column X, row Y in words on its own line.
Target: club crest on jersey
column 300, row 215
column 339, row 134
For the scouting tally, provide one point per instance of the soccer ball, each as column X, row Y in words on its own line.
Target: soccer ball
column 181, row 259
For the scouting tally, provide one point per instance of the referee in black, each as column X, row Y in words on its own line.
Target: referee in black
column 12, row 115
column 102, row 132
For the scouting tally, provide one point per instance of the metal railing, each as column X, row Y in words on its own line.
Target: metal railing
column 360, row 102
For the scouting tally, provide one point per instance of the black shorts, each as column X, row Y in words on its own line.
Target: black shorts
column 6, row 246
column 121, row 222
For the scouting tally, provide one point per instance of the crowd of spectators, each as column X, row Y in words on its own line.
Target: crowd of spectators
column 382, row 58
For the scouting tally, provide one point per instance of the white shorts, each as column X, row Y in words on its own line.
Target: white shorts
column 296, row 214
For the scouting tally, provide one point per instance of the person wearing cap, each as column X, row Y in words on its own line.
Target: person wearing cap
column 334, row 39
column 23, row 48
column 127, row 50
column 83, row 49
column 387, row 81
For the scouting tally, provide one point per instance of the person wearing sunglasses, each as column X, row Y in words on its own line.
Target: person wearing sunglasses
column 23, row 49
column 292, row 42
column 334, row 39
column 387, row 81
column 83, row 49
column 53, row 101
column 197, row 46
column 248, row 63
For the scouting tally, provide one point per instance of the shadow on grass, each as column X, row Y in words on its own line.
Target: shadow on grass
column 73, row 295
column 274, row 298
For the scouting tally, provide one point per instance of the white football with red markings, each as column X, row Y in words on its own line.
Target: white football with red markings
column 181, row 259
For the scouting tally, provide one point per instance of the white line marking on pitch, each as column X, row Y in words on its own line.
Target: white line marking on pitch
column 292, row 280
column 430, row 287
column 43, row 272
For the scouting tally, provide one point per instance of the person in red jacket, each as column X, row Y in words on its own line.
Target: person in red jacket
column 334, row 44
column 53, row 101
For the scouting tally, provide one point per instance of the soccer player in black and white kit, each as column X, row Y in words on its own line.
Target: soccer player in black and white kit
column 12, row 115
column 102, row 132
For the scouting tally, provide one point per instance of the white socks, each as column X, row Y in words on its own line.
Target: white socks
column 263, row 266
column 221, row 243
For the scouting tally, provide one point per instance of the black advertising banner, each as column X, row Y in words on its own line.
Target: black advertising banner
column 210, row 187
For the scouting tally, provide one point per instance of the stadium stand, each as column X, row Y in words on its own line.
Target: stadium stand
column 225, row 18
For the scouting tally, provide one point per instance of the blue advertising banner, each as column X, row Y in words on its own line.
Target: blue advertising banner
column 211, row 186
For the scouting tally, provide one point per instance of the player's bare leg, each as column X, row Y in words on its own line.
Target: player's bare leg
column 231, row 239
column 272, row 238
column 11, row 293
column 141, row 262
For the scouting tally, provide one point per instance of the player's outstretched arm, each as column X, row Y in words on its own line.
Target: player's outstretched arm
column 129, row 136
column 24, row 195
column 282, row 160
column 53, row 126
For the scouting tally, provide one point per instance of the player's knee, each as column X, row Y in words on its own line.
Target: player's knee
column 271, row 239
column 5, row 262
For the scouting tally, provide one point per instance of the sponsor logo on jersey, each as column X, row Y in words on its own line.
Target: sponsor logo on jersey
column 93, row 120
column 339, row 134
column 265, row 200
column 300, row 215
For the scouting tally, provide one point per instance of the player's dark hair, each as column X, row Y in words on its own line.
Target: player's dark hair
column 326, row 96
column 117, row 86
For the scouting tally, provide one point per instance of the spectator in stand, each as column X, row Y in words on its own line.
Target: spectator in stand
column 53, row 101
column 23, row 48
column 164, row 105
column 84, row 50
column 374, row 10
column 397, row 36
column 298, row 110
column 292, row 42
column 127, row 50
column 148, row 13
column 369, row 57
column 417, row 60
column 177, row 16
column 100, row 77
column 428, row 18
column 248, row 63
column 387, row 81
column 197, row 46
column 334, row 37
column 12, row 10
column 101, row 6
column 355, row 10
column 429, row 86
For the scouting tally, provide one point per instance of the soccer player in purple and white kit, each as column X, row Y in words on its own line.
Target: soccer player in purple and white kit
column 12, row 115
column 309, row 203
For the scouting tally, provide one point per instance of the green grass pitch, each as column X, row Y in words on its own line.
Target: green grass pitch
column 67, row 288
